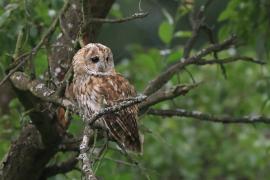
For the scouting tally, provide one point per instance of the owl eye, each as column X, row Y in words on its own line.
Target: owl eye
column 107, row 59
column 95, row 59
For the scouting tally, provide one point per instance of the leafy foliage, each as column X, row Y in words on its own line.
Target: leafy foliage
column 174, row 148
column 246, row 18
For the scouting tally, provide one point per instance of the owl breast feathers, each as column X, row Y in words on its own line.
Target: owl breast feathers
column 97, row 86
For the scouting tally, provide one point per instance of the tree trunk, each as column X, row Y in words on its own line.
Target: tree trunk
column 38, row 142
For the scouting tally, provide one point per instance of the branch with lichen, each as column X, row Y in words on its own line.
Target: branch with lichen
column 86, row 163
column 39, row 89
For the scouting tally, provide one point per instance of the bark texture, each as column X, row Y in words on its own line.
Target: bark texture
column 38, row 142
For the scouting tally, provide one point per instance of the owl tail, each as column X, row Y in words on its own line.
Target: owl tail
column 124, row 131
column 134, row 144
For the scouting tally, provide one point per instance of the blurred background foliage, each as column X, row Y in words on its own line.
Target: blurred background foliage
column 174, row 148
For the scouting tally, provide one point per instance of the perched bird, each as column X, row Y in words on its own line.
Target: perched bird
column 96, row 85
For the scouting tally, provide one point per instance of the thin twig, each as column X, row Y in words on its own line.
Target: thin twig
column 229, row 60
column 196, row 26
column 197, row 20
column 120, row 20
column 126, row 163
column 18, row 44
column 209, row 117
column 101, row 154
column 65, row 82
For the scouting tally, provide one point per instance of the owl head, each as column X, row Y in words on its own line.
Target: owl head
column 94, row 58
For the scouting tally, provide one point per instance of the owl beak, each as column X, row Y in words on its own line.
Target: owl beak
column 102, row 67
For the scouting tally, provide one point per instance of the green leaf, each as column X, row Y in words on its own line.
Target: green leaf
column 183, row 34
column 8, row 9
column 174, row 56
column 166, row 32
column 230, row 11
column 182, row 11
column 224, row 15
column 223, row 32
column 41, row 63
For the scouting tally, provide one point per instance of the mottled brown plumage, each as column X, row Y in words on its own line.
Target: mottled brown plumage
column 96, row 85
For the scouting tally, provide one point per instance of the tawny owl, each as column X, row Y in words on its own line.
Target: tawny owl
column 97, row 85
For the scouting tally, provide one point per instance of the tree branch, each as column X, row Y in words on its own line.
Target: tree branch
column 229, row 60
column 120, row 106
column 166, row 75
column 86, row 163
column 166, row 94
column 209, row 117
column 120, row 20
column 197, row 22
column 39, row 89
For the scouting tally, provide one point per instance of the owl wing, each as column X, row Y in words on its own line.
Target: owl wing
column 122, row 125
